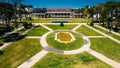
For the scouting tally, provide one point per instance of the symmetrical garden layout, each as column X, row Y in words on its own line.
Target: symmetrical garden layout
column 82, row 46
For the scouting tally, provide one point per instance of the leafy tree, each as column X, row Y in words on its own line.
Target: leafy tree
column 6, row 12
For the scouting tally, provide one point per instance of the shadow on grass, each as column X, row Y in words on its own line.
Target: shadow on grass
column 1, row 52
column 13, row 37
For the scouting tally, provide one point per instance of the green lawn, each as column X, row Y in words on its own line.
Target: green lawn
column 70, row 20
column 82, row 60
column 18, row 52
column 107, row 47
column 21, row 31
column 87, row 31
column 57, row 27
column 65, row 46
column 37, row 31
column 106, row 32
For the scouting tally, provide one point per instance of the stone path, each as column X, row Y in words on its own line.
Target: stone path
column 11, row 32
column 29, row 63
column 32, row 37
column 86, row 47
column 104, row 58
column 76, row 27
column 96, row 37
column 115, row 40
column 107, row 30
column 7, row 44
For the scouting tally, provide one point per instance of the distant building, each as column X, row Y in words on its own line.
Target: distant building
column 56, row 13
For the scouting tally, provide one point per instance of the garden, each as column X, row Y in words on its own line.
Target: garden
column 23, row 49
column 75, row 44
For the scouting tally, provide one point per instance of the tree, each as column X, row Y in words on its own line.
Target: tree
column 16, row 4
column 6, row 12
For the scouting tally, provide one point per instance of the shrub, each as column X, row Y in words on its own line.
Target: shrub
column 91, row 24
column 61, row 24
column 27, row 25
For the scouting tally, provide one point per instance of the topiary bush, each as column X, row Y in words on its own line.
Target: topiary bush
column 61, row 24
column 91, row 24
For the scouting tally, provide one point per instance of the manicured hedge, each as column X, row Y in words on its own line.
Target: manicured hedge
column 59, row 21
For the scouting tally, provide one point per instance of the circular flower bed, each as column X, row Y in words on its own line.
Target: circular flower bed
column 75, row 44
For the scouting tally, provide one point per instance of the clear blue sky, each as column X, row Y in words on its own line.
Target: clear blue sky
column 64, row 3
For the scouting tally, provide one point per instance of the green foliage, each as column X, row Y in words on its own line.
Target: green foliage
column 4, row 29
column 27, row 25
column 61, row 24
column 91, row 24
column 10, row 37
column 59, row 21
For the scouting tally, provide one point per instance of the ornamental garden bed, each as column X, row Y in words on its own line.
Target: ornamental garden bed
column 77, row 43
column 64, row 37
column 59, row 21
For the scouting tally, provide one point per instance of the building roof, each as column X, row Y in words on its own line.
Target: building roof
column 58, row 10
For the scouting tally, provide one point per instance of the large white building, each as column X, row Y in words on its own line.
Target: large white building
column 56, row 13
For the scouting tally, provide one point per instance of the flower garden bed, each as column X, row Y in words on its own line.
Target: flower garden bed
column 64, row 37
column 77, row 43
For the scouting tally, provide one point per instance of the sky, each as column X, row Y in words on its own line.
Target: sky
column 64, row 3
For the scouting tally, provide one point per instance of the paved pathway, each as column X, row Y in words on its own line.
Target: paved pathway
column 96, row 37
column 34, row 59
column 7, row 34
column 86, row 47
column 33, row 36
column 104, row 58
column 115, row 40
column 6, row 44
column 76, row 27
column 46, row 27
column 107, row 30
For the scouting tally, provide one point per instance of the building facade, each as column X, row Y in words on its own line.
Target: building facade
column 56, row 13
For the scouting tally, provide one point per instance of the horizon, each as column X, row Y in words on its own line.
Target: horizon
column 65, row 3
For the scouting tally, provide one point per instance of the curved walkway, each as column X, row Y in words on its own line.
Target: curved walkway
column 46, row 46
column 29, row 63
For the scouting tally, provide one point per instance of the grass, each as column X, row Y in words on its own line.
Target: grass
column 70, row 20
column 65, row 46
column 21, row 31
column 83, row 60
column 87, row 31
column 10, row 37
column 18, row 52
column 37, row 31
column 107, row 47
column 108, row 33
column 57, row 27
